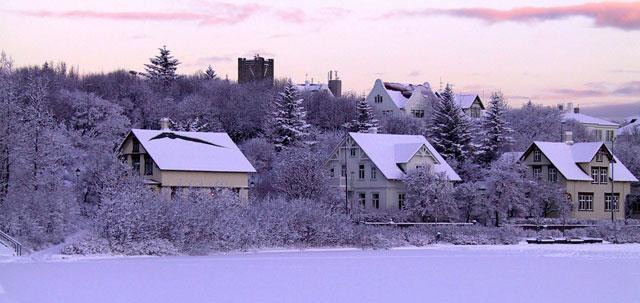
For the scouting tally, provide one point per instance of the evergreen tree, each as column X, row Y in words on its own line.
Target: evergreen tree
column 495, row 133
column 364, row 118
column 289, row 123
column 163, row 67
column 210, row 74
column 450, row 130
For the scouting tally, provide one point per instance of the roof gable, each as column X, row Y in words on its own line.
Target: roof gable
column 193, row 151
column 386, row 151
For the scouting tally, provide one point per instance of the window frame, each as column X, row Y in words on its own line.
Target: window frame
column 361, row 171
column 537, row 175
column 552, row 177
column 148, row 165
column 585, row 199
column 604, row 175
column 375, row 200
column 537, row 155
column 401, row 200
column 135, row 164
column 616, row 201
column 374, row 173
column 362, row 199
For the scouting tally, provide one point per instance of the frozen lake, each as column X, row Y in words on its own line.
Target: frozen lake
column 521, row 273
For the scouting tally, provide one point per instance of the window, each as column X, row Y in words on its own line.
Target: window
column 598, row 134
column 135, row 163
column 375, row 200
column 401, row 198
column 362, row 200
column 635, row 205
column 343, row 171
column 136, row 146
column 148, row 165
column 361, row 171
column 374, row 173
column 607, row 202
column 604, row 175
column 332, row 172
column 475, row 112
column 377, row 99
column 595, row 172
column 537, row 172
column 352, row 151
column 418, row 113
column 537, row 156
column 585, row 201
column 610, row 135
column 599, row 157
column 552, row 174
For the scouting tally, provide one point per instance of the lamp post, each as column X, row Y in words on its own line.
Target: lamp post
column 613, row 201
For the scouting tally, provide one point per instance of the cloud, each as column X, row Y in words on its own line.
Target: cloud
column 576, row 93
column 621, row 15
column 593, row 90
column 222, row 14
column 299, row 16
column 631, row 89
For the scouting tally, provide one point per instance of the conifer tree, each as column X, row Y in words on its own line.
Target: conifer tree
column 450, row 130
column 364, row 119
column 210, row 73
column 289, row 118
column 495, row 133
column 163, row 67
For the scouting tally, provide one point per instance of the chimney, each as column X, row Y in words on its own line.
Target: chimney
column 570, row 107
column 164, row 124
column 561, row 107
column 568, row 137
column 576, row 110
column 373, row 130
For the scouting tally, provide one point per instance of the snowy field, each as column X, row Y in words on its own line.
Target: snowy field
column 521, row 273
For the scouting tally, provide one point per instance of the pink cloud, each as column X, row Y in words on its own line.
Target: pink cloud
column 225, row 14
column 620, row 15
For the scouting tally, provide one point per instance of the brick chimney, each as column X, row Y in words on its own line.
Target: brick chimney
column 165, row 124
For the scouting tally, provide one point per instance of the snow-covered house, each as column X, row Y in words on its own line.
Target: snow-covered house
column 308, row 87
column 390, row 98
column 471, row 104
column 370, row 167
column 600, row 129
column 586, row 169
column 170, row 160
column 632, row 124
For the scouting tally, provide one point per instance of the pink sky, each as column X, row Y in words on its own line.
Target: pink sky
column 550, row 51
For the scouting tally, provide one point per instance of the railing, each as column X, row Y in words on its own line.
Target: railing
column 11, row 243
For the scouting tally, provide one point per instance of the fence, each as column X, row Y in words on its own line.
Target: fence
column 11, row 243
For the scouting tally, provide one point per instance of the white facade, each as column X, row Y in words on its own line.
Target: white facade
column 388, row 98
column 599, row 129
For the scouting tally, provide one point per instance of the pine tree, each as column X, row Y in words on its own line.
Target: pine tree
column 495, row 133
column 163, row 67
column 364, row 118
column 210, row 73
column 289, row 124
column 450, row 130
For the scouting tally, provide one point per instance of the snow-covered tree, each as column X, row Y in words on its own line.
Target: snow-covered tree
column 495, row 134
column 430, row 195
column 162, row 67
column 364, row 119
column 450, row 130
column 549, row 199
column 210, row 73
column 301, row 174
column 190, row 125
column 289, row 118
column 534, row 122
column 469, row 198
column 506, row 190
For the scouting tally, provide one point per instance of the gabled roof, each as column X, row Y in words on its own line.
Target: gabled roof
column 400, row 93
column 387, row 151
column 193, row 151
column 566, row 157
column 586, row 119
column 465, row 101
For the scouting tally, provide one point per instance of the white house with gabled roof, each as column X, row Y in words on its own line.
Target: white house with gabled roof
column 172, row 160
column 471, row 105
column 370, row 167
column 587, row 170
column 390, row 98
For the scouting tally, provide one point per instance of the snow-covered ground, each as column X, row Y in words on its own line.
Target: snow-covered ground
column 520, row 273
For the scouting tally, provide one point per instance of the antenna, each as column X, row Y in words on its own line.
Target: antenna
column 440, row 83
column 337, row 78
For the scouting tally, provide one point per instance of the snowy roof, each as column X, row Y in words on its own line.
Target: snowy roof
column 401, row 92
column 311, row 87
column 193, row 151
column 465, row 101
column 387, row 151
column 629, row 127
column 566, row 157
column 582, row 118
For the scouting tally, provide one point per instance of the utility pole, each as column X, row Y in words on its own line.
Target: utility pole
column 346, row 182
column 612, row 180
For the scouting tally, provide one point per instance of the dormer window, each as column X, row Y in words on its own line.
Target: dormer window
column 599, row 157
column 537, row 156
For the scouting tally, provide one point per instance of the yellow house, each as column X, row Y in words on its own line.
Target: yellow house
column 171, row 160
column 597, row 182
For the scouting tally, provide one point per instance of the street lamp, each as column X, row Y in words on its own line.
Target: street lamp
column 613, row 200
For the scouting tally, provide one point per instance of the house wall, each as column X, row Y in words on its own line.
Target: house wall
column 387, row 104
column 389, row 190
column 592, row 128
column 574, row 188
column 477, row 107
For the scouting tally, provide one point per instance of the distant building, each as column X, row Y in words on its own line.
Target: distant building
column 390, row 98
column 370, row 167
column 335, row 85
column 600, row 129
column 470, row 104
column 257, row 69
column 308, row 87
column 631, row 125
column 173, row 160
